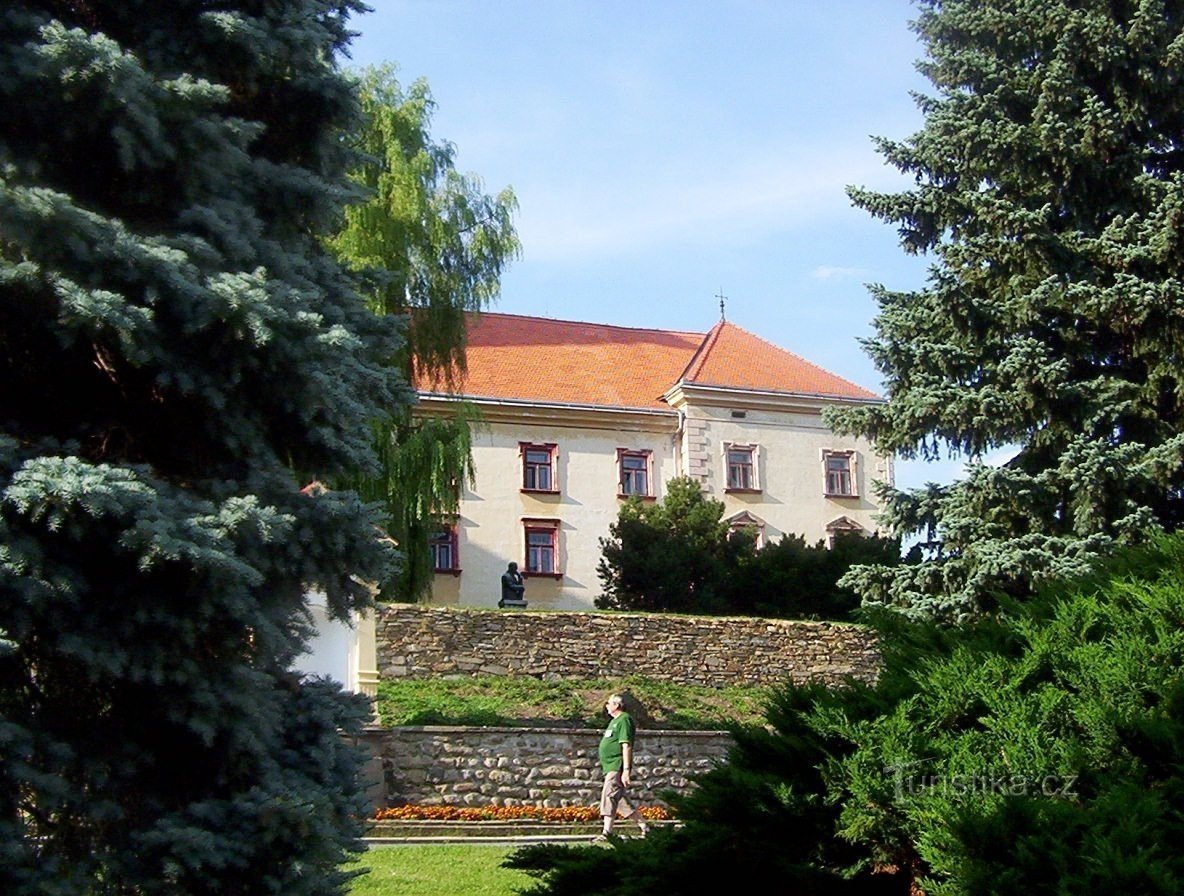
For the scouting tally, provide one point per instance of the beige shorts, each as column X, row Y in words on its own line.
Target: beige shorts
column 613, row 798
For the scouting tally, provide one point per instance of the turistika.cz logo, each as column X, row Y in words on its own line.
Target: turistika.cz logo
column 908, row 780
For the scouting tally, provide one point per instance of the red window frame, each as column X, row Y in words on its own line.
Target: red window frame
column 446, row 537
column 540, row 541
column 627, row 475
column 539, row 467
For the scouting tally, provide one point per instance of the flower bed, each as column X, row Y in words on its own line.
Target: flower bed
column 565, row 814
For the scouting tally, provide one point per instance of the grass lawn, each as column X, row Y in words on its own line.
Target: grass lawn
column 506, row 700
column 438, row 870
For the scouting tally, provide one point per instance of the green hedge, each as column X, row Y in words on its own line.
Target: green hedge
column 1038, row 752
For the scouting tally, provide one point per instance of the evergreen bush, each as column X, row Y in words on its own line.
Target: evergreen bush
column 1039, row 751
column 678, row 555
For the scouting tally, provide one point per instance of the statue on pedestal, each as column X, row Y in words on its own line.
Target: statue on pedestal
column 513, row 587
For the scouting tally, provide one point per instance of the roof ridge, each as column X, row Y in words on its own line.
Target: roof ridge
column 699, row 358
column 585, row 323
column 786, row 351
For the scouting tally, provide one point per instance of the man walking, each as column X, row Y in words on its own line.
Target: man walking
column 616, row 759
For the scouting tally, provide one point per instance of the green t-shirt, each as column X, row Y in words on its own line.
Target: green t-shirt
column 619, row 731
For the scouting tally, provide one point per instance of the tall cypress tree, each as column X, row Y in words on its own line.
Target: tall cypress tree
column 175, row 340
column 1049, row 189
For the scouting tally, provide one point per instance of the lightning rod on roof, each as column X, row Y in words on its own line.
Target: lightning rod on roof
column 722, row 298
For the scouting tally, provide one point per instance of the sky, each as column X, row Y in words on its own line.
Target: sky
column 667, row 152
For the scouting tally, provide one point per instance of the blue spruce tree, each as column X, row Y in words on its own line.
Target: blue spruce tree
column 175, row 342
column 1048, row 187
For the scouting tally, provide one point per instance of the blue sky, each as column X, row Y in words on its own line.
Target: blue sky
column 664, row 151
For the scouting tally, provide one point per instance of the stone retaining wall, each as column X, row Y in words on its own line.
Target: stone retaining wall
column 444, row 765
column 429, row 642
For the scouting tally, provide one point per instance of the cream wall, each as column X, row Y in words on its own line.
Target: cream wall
column 490, row 529
column 792, row 477
column 689, row 438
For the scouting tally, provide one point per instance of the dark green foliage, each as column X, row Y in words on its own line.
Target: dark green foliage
column 174, row 341
column 669, row 555
column 678, row 555
column 792, row 579
column 1038, row 752
column 1049, row 184
column 431, row 245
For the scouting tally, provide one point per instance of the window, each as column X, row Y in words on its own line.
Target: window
column 842, row 527
column 542, row 547
column 741, row 468
column 633, row 472
column 751, row 525
column 445, row 557
column 839, row 470
column 538, row 467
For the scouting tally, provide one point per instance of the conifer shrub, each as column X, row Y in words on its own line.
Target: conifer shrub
column 679, row 555
column 1038, row 751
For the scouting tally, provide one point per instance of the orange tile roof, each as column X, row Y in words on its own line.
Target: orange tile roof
column 733, row 358
column 515, row 357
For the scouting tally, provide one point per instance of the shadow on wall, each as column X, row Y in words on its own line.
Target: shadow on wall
column 478, row 585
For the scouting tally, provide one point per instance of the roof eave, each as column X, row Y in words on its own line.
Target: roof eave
column 560, row 413
column 684, row 391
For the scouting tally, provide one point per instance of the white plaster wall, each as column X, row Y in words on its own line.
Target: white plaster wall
column 332, row 652
column 490, row 531
column 490, row 526
column 792, row 478
column 344, row 652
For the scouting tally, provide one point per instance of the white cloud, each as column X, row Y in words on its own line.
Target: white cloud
column 695, row 201
column 825, row 272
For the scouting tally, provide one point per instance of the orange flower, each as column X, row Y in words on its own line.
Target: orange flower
column 505, row 813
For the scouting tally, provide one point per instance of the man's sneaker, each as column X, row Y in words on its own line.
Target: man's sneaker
column 600, row 838
column 645, row 828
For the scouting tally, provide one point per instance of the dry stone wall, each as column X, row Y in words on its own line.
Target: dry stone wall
column 438, row 765
column 430, row 642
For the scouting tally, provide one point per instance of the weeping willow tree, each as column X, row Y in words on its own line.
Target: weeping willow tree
column 430, row 245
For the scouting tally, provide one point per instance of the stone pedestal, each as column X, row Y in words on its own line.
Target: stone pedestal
column 512, row 603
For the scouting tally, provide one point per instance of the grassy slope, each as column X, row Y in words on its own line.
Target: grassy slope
column 523, row 701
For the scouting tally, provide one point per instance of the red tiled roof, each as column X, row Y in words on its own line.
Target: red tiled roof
column 733, row 358
column 566, row 362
